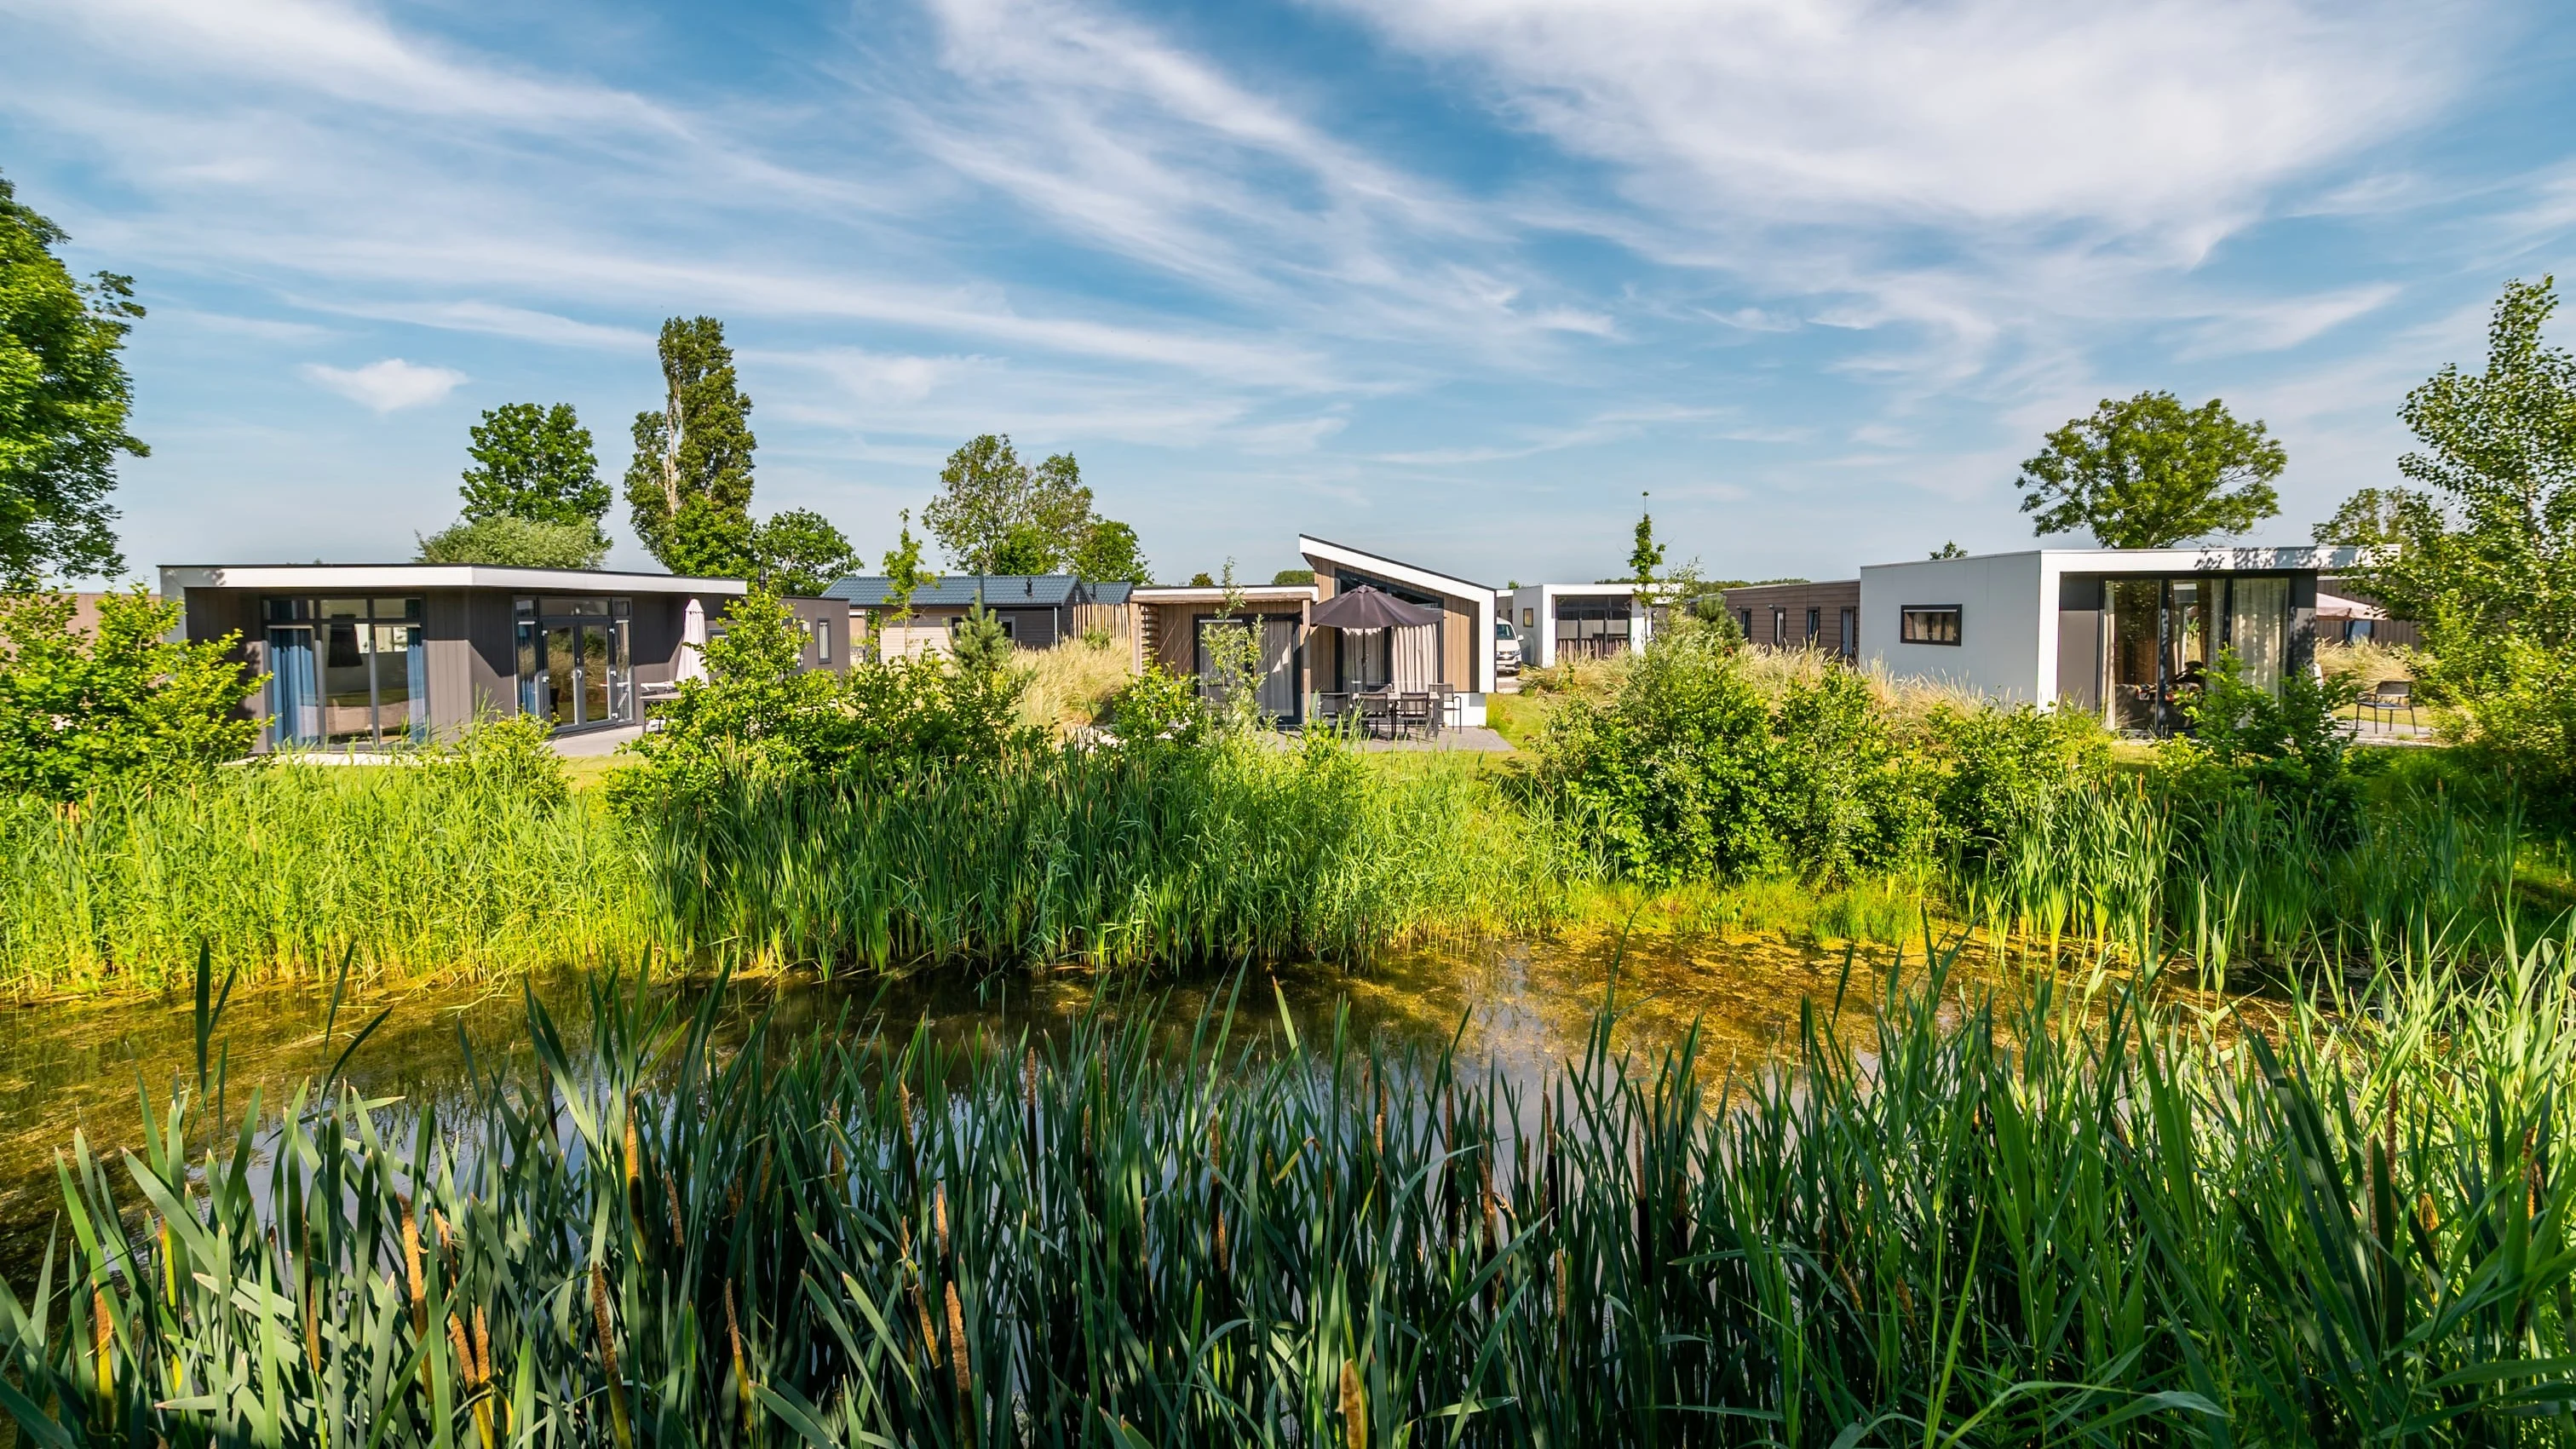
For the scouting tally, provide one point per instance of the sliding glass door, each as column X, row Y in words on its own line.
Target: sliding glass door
column 347, row 673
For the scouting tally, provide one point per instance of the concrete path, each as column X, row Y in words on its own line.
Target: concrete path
column 595, row 742
column 1474, row 738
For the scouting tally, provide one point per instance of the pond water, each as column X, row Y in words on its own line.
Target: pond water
column 1524, row 1006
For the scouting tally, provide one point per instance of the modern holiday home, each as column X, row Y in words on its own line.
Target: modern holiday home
column 1559, row 622
column 364, row 656
column 1034, row 610
column 2113, row 632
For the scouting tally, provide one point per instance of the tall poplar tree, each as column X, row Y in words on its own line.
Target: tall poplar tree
column 64, row 398
column 689, row 489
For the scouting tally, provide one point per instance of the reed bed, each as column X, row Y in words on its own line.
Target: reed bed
column 431, row 867
column 1232, row 854
column 2066, row 1220
column 2250, row 877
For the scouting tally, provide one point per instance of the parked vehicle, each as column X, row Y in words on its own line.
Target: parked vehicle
column 1507, row 648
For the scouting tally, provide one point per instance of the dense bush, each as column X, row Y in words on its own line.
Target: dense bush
column 1702, row 764
column 758, row 712
column 123, row 705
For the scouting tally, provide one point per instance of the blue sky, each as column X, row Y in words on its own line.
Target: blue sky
column 1454, row 279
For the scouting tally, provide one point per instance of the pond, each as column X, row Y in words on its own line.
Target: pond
column 1523, row 1006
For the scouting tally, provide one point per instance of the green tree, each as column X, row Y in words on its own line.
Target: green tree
column 64, row 400
column 996, row 515
column 2150, row 473
column 1950, row 550
column 1648, row 555
column 2495, row 584
column 798, row 552
column 1301, row 576
column 904, row 574
column 2382, row 518
column 128, row 703
column 535, row 463
column 511, row 541
column 688, row 491
column 1110, row 553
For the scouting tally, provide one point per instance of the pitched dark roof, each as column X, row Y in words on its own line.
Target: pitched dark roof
column 998, row 591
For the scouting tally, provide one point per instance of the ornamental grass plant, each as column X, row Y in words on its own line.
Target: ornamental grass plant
column 2062, row 1217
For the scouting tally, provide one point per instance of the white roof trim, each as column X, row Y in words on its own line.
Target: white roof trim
column 2215, row 558
column 1195, row 594
column 394, row 577
column 1449, row 584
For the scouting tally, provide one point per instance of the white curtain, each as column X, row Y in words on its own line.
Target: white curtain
column 1417, row 657
column 2258, row 627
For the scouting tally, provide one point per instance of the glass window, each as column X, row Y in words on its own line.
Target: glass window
column 289, row 611
column 1779, row 626
column 1529, row 618
column 823, row 641
column 1815, row 622
column 1930, row 624
column 2258, row 627
column 584, row 607
column 344, row 608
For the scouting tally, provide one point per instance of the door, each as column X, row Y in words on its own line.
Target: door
column 2137, row 649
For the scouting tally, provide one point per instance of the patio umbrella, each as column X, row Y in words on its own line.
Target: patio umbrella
column 1367, row 608
column 693, row 643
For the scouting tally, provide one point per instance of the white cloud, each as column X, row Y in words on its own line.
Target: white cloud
column 389, row 385
column 2148, row 118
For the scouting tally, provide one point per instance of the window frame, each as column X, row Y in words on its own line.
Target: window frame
column 1907, row 631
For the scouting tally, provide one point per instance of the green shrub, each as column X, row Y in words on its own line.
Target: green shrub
column 126, row 705
column 759, row 712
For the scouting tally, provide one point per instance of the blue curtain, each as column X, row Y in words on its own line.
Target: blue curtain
column 294, row 702
column 416, row 679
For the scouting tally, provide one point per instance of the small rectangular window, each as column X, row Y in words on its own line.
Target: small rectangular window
column 1779, row 626
column 1815, row 623
column 1930, row 624
column 1744, row 621
column 1529, row 618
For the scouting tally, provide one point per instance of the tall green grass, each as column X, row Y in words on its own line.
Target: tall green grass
column 2250, row 877
column 1169, row 857
column 2061, row 1221
column 430, row 867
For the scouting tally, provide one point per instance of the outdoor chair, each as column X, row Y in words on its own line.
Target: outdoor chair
column 1413, row 714
column 1330, row 707
column 1444, row 701
column 2390, row 696
column 1377, row 715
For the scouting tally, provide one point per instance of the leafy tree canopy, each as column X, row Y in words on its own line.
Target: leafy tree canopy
column 2148, row 472
column 1110, row 553
column 2488, row 554
column 1295, row 576
column 997, row 515
column 516, row 542
column 64, row 400
column 1950, row 550
column 536, row 463
column 1202, row 580
column 80, row 710
column 2382, row 518
column 688, row 490
column 798, row 552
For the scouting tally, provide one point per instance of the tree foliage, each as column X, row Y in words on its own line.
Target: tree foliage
column 903, row 571
column 64, row 401
column 2488, row 559
column 536, row 463
column 1647, row 555
column 514, row 542
column 997, row 515
column 798, row 552
column 2399, row 518
column 1110, row 553
column 688, row 490
column 124, row 703
column 2148, row 472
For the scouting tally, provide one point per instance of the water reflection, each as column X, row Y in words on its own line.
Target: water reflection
column 1522, row 1006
